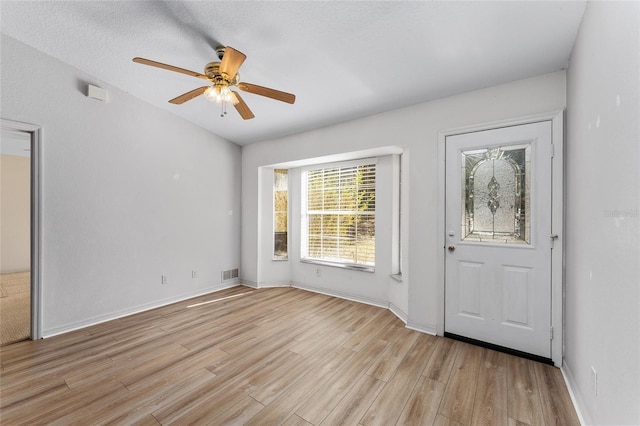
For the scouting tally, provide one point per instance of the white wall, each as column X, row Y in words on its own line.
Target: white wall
column 603, row 214
column 415, row 130
column 129, row 193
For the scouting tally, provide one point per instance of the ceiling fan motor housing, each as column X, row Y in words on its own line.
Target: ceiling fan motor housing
column 212, row 71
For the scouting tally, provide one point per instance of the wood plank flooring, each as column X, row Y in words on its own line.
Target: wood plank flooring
column 277, row 356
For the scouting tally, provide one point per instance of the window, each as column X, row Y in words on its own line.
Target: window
column 396, row 235
column 495, row 197
column 338, row 226
column 280, row 214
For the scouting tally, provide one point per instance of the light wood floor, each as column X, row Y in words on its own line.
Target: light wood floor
column 271, row 357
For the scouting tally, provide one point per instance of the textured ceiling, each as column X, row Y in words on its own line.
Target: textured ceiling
column 343, row 60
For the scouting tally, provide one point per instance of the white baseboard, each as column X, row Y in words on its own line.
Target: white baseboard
column 402, row 316
column 575, row 395
column 133, row 310
column 354, row 298
column 274, row 284
column 398, row 312
column 248, row 283
column 422, row 328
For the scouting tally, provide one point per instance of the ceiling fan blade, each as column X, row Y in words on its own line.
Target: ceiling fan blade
column 231, row 61
column 168, row 67
column 269, row 93
column 242, row 107
column 189, row 95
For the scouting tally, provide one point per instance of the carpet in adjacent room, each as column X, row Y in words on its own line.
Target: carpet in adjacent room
column 15, row 307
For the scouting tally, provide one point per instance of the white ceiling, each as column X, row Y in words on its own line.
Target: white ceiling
column 343, row 60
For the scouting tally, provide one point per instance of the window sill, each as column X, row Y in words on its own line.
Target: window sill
column 355, row 267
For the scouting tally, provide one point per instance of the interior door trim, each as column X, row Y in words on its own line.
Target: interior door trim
column 557, row 219
column 36, row 220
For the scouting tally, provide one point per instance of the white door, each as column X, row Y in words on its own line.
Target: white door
column 498, row 237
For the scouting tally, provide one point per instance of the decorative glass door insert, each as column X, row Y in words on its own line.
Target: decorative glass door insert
column 495, row 194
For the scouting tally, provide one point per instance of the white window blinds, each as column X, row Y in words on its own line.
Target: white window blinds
column 339, row 214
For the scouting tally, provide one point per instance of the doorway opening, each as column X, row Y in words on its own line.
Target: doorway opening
column 19, row 233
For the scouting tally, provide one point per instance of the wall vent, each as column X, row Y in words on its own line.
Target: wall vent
column 230, row 274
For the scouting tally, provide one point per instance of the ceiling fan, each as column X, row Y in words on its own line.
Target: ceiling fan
column 224, row 76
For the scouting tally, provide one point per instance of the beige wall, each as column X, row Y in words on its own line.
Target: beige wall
column 15, row 213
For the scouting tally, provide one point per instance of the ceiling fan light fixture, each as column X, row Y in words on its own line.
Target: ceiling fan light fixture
column 220, row 94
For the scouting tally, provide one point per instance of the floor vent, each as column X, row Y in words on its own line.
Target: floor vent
column 230, row 274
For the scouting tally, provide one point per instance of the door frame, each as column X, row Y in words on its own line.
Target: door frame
column 36, row 220
column 557, row 219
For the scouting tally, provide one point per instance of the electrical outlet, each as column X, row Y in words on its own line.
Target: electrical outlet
column 317, row 272
column 594, row 381
column 163, row 280
column 194, row 274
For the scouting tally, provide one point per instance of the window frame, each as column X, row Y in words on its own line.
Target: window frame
column 304, row 222
column 275, row 212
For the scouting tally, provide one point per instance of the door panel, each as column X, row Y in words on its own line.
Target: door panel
column 517, row 306
column 498, row 223
column 470, row 290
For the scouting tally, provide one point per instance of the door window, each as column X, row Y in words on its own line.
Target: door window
column 495, row 195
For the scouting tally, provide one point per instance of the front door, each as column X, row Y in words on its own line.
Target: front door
column 498, row 237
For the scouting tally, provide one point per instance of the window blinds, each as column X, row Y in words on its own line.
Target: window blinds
column 340, row 213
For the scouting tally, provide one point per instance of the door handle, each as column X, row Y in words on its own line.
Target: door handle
column 451, row 249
